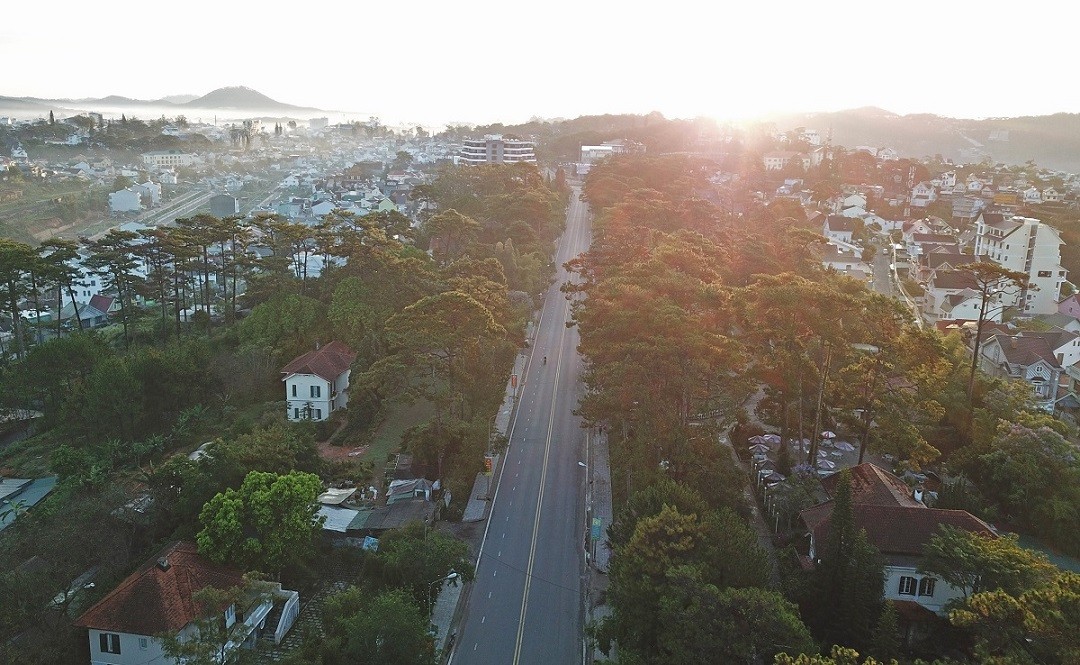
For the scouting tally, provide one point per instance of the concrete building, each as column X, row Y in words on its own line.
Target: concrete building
column 167, row 159
column 1026, row 245
column 494, row 149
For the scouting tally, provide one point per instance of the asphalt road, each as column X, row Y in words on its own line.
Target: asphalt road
column 525, row 605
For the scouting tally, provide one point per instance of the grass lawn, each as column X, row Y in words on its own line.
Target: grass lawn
column 386, row 437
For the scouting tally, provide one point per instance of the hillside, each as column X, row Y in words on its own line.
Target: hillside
column 1053, row 141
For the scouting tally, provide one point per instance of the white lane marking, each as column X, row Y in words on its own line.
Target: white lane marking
column 489, row 594
column 483, row 618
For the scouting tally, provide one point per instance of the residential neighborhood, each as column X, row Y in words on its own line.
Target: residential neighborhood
column 275, row 389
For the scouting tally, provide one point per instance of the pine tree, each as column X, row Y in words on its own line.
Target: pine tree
column 849, row 580
column 886, row 640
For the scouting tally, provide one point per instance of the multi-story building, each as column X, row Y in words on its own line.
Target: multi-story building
column 167, row 159
column 1025, row 245
column 494, row 149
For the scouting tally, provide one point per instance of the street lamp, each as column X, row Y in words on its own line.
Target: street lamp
column 452, row 576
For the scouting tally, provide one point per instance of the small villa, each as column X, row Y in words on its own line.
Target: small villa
column 317, row 383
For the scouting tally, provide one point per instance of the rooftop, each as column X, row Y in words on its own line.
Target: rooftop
column 157, row 598
column 327, row 362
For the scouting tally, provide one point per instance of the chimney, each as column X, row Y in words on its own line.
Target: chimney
column 163, row 563
column 1012, row 342
column 918, row 494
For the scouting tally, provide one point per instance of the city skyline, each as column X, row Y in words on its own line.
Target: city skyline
column 480, row 62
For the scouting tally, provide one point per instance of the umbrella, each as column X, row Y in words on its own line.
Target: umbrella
column 757, row 439
column 827, row 464
column 759, row 448
column 846, row 447
column 772, row 438
column 828, row 435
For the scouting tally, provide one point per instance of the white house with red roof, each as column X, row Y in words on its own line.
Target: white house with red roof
column 317, row 383
column 898, row 524
column 125, row 626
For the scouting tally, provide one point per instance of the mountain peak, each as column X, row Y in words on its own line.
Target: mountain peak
column 237, row 97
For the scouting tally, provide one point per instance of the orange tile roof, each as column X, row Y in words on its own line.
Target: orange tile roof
column 152, row 601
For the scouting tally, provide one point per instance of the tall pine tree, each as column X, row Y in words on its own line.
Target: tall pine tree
column 850, row 578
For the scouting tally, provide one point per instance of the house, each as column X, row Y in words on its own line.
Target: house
column 777, row 160
column 1028, row 246
column 316, row 383
column 1038, row 358
column 151, row 191
column 403, row 490
column 1051, row 195
column 1070, row 306
column 923, row 194
column 924, row 243
column 898, row 524
column 853, row 201
column 126, row 200
column 846, row 262
column 938, row 305
column 125, row 626
column 1032, row 195
column 838, row 228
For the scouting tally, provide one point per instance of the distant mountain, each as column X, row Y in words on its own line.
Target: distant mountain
column 1053, row 141
column 176, row 99
column 24, row 104
column 238, row 97
column 111, row 100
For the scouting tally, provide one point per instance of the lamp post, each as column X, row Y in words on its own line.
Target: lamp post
column 452, row 576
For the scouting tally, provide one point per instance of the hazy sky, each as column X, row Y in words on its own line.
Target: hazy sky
column 478, row 61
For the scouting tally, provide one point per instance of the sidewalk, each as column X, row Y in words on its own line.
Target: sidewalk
column 442, row 614
column 599, row 508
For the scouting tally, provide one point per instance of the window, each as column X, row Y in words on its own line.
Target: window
column 907, row 586
column 296, row 413
column 1045, row 273
column 142, row 643
column 318, row 414
column 926, row 586
column 294, row 390
column 316, row 391
column 109, row 642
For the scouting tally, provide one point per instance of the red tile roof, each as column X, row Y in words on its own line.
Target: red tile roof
column 870, row 484
column 895, row 529
column 327, row 362
column 153, row 601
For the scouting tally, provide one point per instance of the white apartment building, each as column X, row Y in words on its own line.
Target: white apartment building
column 167, row 159
column 494, row 149
column 1026, row 245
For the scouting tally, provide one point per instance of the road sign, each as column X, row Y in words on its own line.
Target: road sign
column 513, row 380
column 597, row 523
column 489, row 463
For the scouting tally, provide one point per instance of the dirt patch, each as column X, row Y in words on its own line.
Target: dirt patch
column 331, row 452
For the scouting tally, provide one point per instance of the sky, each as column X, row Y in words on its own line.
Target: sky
column 478, row 61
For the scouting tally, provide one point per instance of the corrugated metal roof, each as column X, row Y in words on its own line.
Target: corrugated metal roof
column 30, row 495
column 337, row 518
